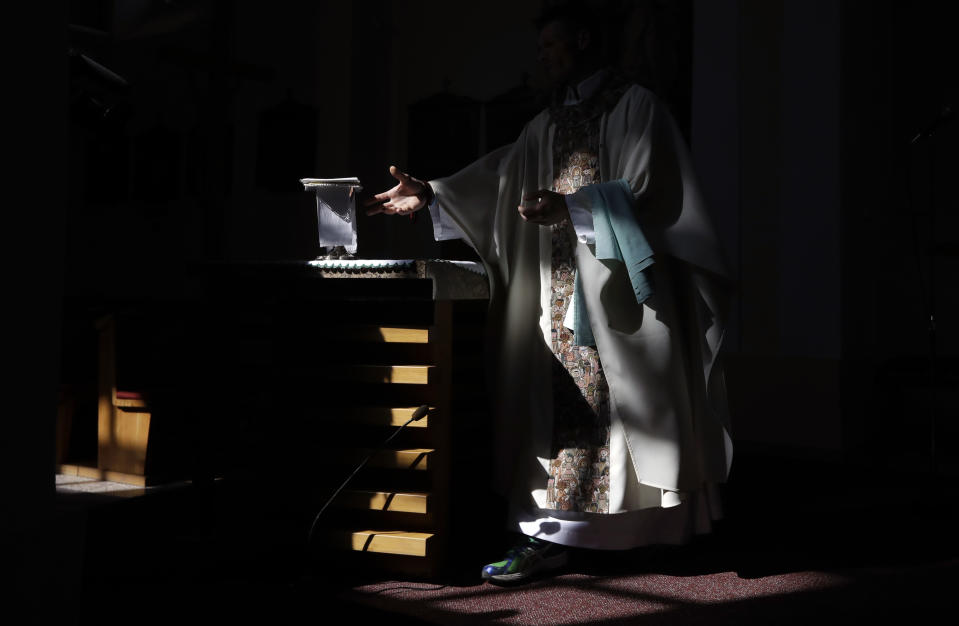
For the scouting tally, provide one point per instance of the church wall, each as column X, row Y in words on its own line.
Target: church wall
column 414, row 51
column 765, row 140
column 808, row 167
column 899, row 223
column 307, row 45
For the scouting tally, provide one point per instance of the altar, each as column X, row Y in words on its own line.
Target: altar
column 315, row 364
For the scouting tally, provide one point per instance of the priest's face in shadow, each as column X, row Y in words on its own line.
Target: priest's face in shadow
column 563, row 52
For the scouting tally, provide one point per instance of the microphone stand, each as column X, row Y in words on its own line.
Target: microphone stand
column 418, row 414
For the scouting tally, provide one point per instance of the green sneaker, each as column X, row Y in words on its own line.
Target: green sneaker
column 529, row 557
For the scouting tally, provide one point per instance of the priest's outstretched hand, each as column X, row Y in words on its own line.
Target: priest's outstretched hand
column 407, row 197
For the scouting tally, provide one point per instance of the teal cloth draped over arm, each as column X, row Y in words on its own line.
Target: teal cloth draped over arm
column 618, row 238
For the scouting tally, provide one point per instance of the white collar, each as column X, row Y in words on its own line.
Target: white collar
column 585, row 88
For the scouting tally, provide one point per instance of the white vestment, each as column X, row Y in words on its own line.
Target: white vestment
column 669, row 441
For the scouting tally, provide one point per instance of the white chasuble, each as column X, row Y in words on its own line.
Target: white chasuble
column 669, row 441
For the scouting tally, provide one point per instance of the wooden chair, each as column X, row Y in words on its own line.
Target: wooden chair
column 123, row 417
column 124, row 422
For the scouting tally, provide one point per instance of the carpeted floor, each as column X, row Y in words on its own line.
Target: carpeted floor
column 802, row 543
column 712, row 582
column 807, row 597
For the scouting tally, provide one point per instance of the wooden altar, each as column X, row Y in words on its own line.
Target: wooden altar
column 319, row 363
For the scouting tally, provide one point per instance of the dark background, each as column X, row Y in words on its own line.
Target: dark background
column 842, row 234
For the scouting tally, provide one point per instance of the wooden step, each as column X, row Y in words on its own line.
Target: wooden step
column 390, row 374
column 383, row 334
column 404, row 459
column 386, row 501
column 387, row 416
column 414, row 459
column 390, row 542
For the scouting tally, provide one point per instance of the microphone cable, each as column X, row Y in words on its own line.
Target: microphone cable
column 418, row 414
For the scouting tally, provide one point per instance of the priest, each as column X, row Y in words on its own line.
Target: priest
column 608, row 299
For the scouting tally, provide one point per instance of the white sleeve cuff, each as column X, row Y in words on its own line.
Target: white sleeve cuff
column 581, row 218
column 444, row 228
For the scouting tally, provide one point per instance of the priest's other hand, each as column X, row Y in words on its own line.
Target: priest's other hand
column 407, row 197
column 544, row 207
